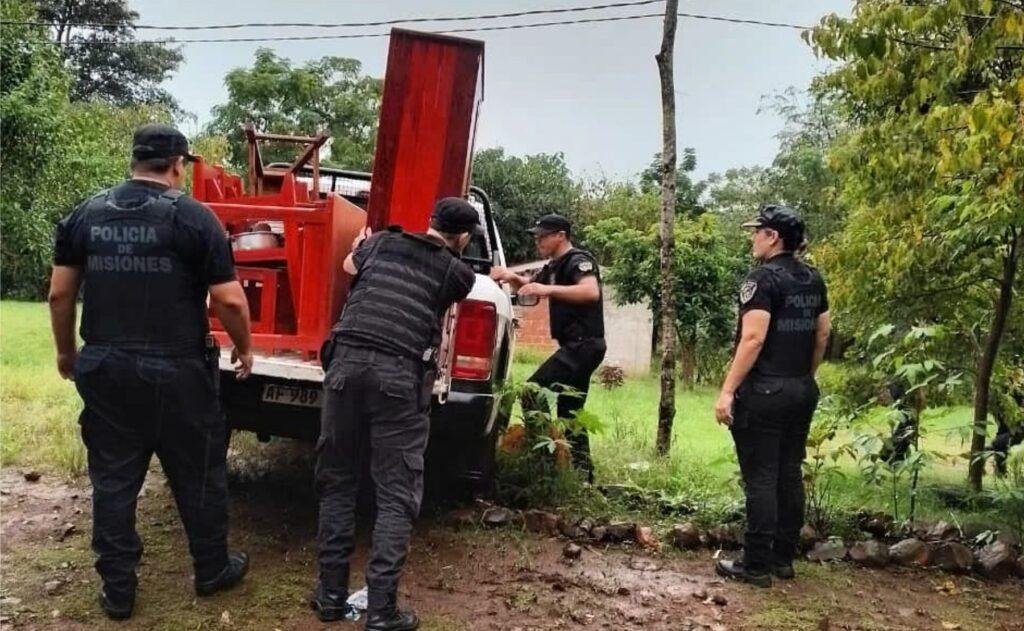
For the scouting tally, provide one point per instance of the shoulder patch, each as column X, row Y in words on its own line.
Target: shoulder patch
column 585, row 266
column 747, row 291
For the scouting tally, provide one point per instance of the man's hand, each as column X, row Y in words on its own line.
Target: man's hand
column 723, row 408
column 500, row 273
column 363, row 235
column 66, row 364
column 535, row 289
column 242, row 363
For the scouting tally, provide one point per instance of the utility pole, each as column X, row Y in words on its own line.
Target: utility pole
column 667, row 404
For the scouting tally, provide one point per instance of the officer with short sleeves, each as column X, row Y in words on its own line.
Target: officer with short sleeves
column 146, row 257
column 769, row 394
column 571, row 281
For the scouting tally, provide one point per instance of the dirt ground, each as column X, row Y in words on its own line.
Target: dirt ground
column 457, row 577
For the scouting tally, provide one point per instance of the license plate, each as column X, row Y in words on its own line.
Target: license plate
column 292, row 395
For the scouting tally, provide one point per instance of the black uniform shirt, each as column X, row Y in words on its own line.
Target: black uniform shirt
column 795, row 295
column 147, row 266
column 404, row 285
column 571, row 321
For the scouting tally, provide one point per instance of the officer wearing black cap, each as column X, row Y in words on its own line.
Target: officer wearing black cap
column 147, row 256
column 571, row 281
column 377, row 389
column 769, row 394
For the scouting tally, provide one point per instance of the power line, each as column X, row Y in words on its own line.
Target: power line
column 507, row 27
column 216, row 27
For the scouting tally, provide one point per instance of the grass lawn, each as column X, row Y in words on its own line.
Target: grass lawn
column 39, row 411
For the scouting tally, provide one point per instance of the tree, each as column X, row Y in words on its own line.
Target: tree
column 932, row 174
column 667, row 403
column 705, row 272
column 96, row 38
column 688, row 192
column 521, row 190
column 330, row 94
column 33, row 104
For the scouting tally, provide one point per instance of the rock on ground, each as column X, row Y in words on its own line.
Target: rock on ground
column 910, row 551
column 808, row 537
column 943, row 530
column 996, row 561
column 686, row 536
column 830, row 550
column 871, row 553
column 541, row 522
column 953, row 557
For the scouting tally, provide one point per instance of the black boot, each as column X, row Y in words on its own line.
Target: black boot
column 330, row 597
column 783, row 571
column 737, row 571
column 117, row 606
column 231, row 575
column 384, row 615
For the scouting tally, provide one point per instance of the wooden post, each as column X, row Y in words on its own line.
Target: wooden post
column 667, row 404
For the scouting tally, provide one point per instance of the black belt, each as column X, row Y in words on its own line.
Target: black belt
column 350, row 351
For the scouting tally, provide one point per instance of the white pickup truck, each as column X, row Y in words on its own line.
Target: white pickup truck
column 284, row 393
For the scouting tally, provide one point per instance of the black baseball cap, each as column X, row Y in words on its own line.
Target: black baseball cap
column 160, row 141
column 549, row 224
column 454, row 215
column 782, row 219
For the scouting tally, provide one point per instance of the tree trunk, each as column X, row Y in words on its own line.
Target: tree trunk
column 688, row 363
column 987, row 361
column 667, row 405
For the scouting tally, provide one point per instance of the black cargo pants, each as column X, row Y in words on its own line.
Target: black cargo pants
column 570, row 367
column 137, row 405
column 772, row 416
column 375, row 405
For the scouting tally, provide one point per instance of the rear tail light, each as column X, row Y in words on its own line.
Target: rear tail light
column 474, row 340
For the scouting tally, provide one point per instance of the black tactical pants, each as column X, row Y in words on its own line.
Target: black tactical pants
column 375, row 405
column 135, row 406
column 570, row 367
column 772, row 416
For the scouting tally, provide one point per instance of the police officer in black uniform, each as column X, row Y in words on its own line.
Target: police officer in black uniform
column 571, row 281
column 377, row 388
column 769, row 394
column 147, row 256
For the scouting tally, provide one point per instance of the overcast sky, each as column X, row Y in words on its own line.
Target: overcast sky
column 589, row 90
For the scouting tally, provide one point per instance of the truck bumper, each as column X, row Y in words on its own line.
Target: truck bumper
column 463, row 436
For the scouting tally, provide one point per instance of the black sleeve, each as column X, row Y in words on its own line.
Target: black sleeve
column 579, row 266
column 460, row 282
column 542, row 276
column 363, row 251
column 68, row 244
column 756, row 291
column 216, row 263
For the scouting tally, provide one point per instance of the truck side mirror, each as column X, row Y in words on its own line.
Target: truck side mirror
column 525, row 301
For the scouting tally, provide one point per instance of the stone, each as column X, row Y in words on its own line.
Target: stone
column 462, row 518
column 572, row 551
column 910, row 551
column 808, row 537
column 724, row 537
column 720, row 600
column 497, row 516
column 597, row 533
column 570, row 528
column 623, row 591
column 541, row 522
column 877, row 524
column 829, row 550
column 619, row 532
column 686, row 536
column 996, row 561
column 51, row 587
column 1009, row 538
column 32, row 476
column 646, row 538
column 700, row 593
column 871, row 553
column 942, row 531
column 66, row 531
column 953, row 557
